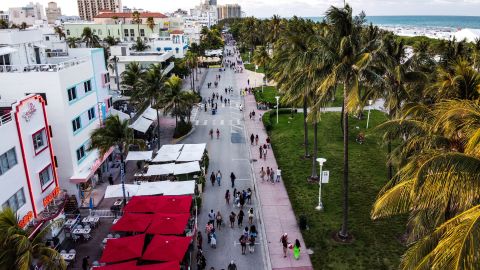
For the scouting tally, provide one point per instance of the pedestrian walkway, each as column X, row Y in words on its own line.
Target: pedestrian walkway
column 276, row 209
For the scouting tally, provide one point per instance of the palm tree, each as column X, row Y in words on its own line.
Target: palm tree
column 152, row 87
column 150, row 23
column 261, row 57
column 191, row 59
column 131, row 80
column 19, row 251
column 140, row 46
column 476, row 54
column 111, row 41
column 91, row 40
column 351, row 62
column 59, row 31
column 3, row 24
column 173, row 100
column 23, row 26
column 137, row 20
column 115, row 18
column 73, row 42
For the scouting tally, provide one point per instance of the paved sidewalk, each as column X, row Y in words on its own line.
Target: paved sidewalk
column 278, row 215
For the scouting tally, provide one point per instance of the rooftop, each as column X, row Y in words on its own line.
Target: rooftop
column 109, row 15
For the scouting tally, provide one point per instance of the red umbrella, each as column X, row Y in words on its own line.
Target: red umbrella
column 164, row 223
column 159, row 204
column 131, row 222
column 160, row 266
column 167, row 248
column 123, row 249
column 119, row 266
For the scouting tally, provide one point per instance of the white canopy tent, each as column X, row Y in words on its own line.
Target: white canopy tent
column 184, row 168
column 141, row 124
column 198, row 147
column 166, row 157
column 166, row 188
column 162, row 169
column 121, row 115
column 150, row 113
column 190, row 156
column 116, row 191
column 169, row 148
column 139, row 155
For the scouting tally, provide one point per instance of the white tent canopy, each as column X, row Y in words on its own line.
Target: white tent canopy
column 7, row 50
column 141, row 124
column 139, row 155
column 184, row 168
column 166, row 157
column 170, row 148
column 199, row 147
column 166, row 188
column 150, row 113
column 121, row 115
column 116, row 191
column 190, row 156
column 162, row 169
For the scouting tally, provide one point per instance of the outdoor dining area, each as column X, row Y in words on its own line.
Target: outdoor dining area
column 154, row 232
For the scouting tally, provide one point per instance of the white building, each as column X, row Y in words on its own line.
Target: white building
column 4, row 16
column 88, row 9
column 53, row 12
column 28, row 14
column 27, row 165
column 75, row 87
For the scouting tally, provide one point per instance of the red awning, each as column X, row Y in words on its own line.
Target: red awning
column 160, row 266
column 119, row 266
column 165, row 223
column 123, row 249
column 167, row 248
column 159, row 204
column 133, row 222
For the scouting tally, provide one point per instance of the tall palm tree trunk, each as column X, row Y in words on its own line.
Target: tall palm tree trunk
column 314, row 175
column 305, row 127
column 158, row 130
column 122, row 175
column 343, row 234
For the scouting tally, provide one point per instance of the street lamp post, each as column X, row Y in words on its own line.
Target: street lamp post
column 277, row 98
column 320, row 205
column 370, row 102
column 255, row 79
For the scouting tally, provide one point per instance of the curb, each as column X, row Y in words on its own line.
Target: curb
column 175, row 141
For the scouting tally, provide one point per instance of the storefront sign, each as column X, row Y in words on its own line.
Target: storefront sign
column 27, row 114
column 49, row 198
column 25, row 219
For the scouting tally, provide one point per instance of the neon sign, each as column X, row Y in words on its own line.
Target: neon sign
column 27, row 115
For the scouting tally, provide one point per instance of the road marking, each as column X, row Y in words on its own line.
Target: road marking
column 239, row 159
column 238, row 243
column 230, row 122
column 221, row 122
column 205, row 122
column 214, row 122
column 196, row 122
column 243, row 179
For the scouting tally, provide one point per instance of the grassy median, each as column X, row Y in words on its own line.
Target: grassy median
column 376, row 244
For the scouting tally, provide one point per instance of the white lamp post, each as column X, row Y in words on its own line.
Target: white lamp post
column 255, row 79
column 370, row 102
column 320, row 205
column 277, row 98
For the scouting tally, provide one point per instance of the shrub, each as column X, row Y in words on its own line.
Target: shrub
column 182, row 129
column 267, row 121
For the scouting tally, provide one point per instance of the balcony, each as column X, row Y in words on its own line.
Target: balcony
column 5, row 119
column 54, row 67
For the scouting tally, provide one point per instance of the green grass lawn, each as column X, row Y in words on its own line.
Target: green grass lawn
column 376, row 245
column 268, row 94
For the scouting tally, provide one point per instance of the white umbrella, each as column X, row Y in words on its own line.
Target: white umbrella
column 116, row 191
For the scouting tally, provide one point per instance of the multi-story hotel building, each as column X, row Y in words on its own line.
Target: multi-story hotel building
column 27, row 165
column 53, row 12
column 75, row 87
column 88, row 9
column 229, row 11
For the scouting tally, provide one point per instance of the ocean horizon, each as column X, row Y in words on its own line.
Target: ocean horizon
column 450, row 22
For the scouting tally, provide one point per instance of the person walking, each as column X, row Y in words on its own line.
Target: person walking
column 219, row 177
column 242, row 200
column 268, row 142
column 256, row 139
column 262, row 174
column 250, row 216
column 249, row 195
column 232, row 179
column 260, row 150
column 211, row 217
column 284, row 240
column 296, row 249
column 218, row 131
column 272, row 176
column 199, row 240
column 212, row 178
column 240, row 218
column 243, row 242
column 227, row 196
column 232, row 266
column 110, row 179
column 232, row 219
column 264, row 153
column 85, row 263
column 279, row 175
column 252, row 138
column 219, row 220
column 252, row 236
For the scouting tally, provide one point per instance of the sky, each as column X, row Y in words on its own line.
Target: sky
column 287, row 8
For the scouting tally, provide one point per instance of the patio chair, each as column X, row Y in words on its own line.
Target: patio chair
column 87, row 226
column 63, row 251
column 87, row 236
column 79, row 226
column 72, row 251
column 117, row 235
column 75, row 237
column 109, row 235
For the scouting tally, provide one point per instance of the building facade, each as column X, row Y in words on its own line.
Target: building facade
column 27, row 165
column 229, row 11
column 53, row 12
column 88, row 9
column 28, row 14
column 4, row 16
column 75, row 86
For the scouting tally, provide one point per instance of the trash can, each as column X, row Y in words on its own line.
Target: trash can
column 214, row 111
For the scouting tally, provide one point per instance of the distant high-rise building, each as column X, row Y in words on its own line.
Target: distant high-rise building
column 53, row 12
column 27, row 14
column 87, row 9
column 229, row 11
column 4, row 16
column 212, row 2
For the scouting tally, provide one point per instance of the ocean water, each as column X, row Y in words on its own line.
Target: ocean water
column 452, row 22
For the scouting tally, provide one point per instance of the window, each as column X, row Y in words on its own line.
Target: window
column 132, row 32
column 142, row 32
column 56, row 161
column 68, row 32
column 47, row 38
column 8, row 160
column 87, row 86
column 76, row 124
column 16, row 201
column 39, row 141
column 177, row 50
column 125, row 32
column 45, row 177
column 72, row 93
column 80, row 153
column 106, row 78
column 91, row 113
